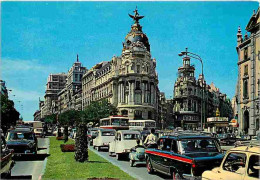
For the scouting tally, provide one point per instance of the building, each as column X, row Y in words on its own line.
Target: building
column 4, row 90
column 55, row 83
column 70, row 96
column 188, row 94
column 130, row 81
column 248, row 85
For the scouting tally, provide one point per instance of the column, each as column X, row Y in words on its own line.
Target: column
column 143, row 91
column 129, row 92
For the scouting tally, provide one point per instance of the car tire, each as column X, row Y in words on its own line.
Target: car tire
column 149, row 166
column 132, row 162
column 98, row 148
column 176, row 176
column 118, row 156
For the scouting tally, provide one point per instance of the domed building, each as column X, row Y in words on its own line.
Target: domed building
column 130, row 81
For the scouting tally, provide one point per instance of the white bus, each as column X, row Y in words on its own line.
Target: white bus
column 142, row 124
column 116, row 122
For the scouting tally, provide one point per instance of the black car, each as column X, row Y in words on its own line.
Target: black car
column 183, row 155
column 22, row 141
column 226, row 139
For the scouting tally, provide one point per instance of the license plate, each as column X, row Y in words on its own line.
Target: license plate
column 27, row 151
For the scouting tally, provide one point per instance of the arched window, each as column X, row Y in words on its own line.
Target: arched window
column 245, row 89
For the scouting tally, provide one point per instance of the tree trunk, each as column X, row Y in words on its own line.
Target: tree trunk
column 66, row 134
column 81, row 143
column 59, row 132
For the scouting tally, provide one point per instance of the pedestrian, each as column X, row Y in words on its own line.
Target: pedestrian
column 151, row 140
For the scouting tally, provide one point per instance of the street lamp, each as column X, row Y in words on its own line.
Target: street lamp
column 195, row 56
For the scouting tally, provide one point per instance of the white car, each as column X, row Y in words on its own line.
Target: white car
column 39, row 132
column 104, row 137
column 124, row 140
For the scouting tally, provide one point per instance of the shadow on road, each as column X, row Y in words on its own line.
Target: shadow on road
column 96, row 162
column 20, row 177
column 31, row 157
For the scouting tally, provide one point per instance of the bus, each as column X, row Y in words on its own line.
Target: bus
column 142, row 124
column 116, row 122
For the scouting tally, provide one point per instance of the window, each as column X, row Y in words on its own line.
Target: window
column 138, row 69
column 131, row 136
column 235, row 162
column 246, row 70
column 108, row 133
column 246, row 53
column 137, row 87
column 254, row 166
column 245, row 89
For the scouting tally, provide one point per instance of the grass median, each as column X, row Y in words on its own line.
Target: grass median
column 62, row 165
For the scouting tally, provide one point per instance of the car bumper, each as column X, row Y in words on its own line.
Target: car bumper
column 190, row 177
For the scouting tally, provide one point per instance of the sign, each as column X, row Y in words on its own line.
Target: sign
column 234, row 123
column 217, row 119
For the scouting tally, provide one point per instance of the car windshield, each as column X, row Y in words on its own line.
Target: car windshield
column 131, row 136
column 222, row 136
column 199, row 145
column 108, row 133
column 19, row 136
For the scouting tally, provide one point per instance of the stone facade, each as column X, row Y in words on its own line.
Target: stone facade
column 4, row 90
column 248, row 86
column 70, row 96
column 55, row 83
column 130, row 81
column 187, row 101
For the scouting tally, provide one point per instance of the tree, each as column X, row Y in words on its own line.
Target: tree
column 66, row 119
column 51, row 119
column 9, row 115
column 92, row 113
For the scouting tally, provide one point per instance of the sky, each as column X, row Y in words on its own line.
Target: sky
column 39, row 38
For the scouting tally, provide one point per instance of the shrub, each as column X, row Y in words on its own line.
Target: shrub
column 67, row 147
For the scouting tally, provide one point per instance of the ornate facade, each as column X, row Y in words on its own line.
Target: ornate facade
column 129, row 82
column 248, row 86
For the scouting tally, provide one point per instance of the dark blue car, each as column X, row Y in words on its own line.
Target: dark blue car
column 184, row 155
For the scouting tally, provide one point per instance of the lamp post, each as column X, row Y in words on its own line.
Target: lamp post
column 195, row 56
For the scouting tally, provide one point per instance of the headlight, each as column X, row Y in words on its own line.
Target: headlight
column 30, row 145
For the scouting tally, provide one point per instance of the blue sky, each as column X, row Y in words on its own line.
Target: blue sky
column 39, row 38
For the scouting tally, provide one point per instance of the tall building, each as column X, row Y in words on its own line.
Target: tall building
column 187, row 101
column 70, row 96
column 248, row 85
column 55, row 83
column 4, row 90
column 130, row 81
column 187, row 96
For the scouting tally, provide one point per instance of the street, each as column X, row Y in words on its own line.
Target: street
column 32, row 166
column 138, row 171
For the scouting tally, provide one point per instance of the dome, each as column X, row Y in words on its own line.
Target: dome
column 136, row 37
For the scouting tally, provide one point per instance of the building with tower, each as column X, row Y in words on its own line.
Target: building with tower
column 130, row 81
column 248, row 84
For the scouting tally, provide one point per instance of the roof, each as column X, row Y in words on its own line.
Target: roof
column 188, row 135
column 108, row 130
column 249, row 148
column 21, row 130
column 129, row 132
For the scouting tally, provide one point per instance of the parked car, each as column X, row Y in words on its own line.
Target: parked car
column 22, row 141
column 123, row 141
column 184, row 155
column 6, row 159
column 226, row 139
column 39, row 132
column 73, row 133
column 92, row 134
column 104, row 137
column 241, row 163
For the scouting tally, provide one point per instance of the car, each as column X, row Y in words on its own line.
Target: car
column 104, row 137
column 6, row 159
column 123, row 141
column 73, row 133
column 39, row 132
column 184, row 155
column 226, row 139
column 92, row 134
column 241, row 163
column 22, row 141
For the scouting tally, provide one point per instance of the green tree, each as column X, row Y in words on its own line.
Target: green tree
column 92, row 113
column 9, row 115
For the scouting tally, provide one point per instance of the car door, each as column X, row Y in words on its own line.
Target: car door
column 233, row 167
column 253, row 167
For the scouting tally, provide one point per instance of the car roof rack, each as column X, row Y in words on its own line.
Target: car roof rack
column 249, row 144
column 188, row 133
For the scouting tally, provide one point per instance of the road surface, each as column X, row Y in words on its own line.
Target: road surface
column 138, row 171
column 32, row 165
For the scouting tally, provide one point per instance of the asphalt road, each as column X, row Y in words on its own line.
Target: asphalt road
column 138, row 171
column 32, row 165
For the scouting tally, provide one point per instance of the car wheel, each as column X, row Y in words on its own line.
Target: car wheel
column 132, row 162
column 228, row 142
column 94, row 147
column 149, row 166
column 98, row 148
column 118, row 156
column 176, row 176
